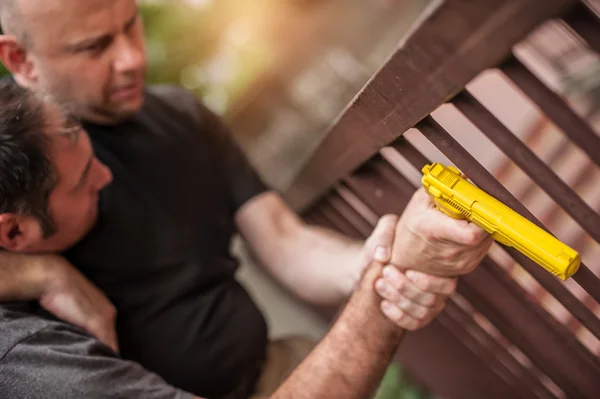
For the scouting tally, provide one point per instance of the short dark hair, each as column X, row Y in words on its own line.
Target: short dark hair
column 27, row 173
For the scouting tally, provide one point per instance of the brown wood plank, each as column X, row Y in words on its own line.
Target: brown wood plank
column 586, row 23
column 457, row 42
column 555, row 108
column 469, row 165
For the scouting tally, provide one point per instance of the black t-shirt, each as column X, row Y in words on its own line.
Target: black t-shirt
column 160, row 249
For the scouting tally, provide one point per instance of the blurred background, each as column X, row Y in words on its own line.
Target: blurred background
column 278, row 71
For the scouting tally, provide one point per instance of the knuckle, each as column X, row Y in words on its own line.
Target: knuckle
column 388, row 222
column 474, row 237
column 412, row 325
column 454, row 253
column 401, row 286
column 111, row 311
column 421, row 314
column 429, row 300
column 423, row 282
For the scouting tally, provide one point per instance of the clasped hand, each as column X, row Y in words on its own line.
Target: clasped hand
column 423, row 252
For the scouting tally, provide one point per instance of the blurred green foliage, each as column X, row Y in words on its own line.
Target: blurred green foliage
column 396, row 385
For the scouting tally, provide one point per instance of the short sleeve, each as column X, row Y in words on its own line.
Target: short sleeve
column 242, row 179
column 60, row 362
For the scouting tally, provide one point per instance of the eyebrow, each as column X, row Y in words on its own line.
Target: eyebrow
column 100, row 38
column 85, row 173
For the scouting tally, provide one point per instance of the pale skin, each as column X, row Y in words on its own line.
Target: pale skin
column 97, row 65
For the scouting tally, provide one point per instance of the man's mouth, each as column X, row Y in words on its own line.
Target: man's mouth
column 127, row 92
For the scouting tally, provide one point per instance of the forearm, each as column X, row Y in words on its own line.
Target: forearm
column 317, row 264
column 22, row 277
column 351, row 360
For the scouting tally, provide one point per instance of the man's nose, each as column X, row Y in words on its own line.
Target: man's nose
column 105, row 176
column 129, row 55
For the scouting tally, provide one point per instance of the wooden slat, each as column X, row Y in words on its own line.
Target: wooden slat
column 410, row 153
column 469, row 165
column 522, row 378
column 533, row 166
column 350, row 214
column 338, row 220
column 461, row 38
column 527, row 325
column 586, row 23
column 553, row 106
column 448, row 367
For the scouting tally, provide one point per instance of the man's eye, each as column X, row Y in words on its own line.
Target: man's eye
column 97, row 47
column 94, row 47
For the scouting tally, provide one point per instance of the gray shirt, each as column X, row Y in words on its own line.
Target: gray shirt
column 43, row 358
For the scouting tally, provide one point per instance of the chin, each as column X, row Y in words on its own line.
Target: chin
column 130, row 108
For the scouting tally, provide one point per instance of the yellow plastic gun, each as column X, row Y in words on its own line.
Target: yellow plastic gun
column 460, row 199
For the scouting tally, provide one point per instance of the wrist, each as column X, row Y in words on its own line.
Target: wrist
column 353, row 275
column 46, row 273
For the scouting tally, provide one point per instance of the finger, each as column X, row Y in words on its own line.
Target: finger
column 107, row 337
column 399, row 317
column 432, row 284
column 441, row 227
column 381, row 239
column 396, row 283
column 433, row 313
column 415, row 310
column 113, row 341
column 421, row 200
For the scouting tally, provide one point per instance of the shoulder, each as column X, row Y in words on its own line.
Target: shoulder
column 180, row 100
column 26, row 324
column 18, row 322
column 47, row 359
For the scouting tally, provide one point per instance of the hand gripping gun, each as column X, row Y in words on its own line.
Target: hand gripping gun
column 458, row 198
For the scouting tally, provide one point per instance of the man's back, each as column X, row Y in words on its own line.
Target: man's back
column 160, row 250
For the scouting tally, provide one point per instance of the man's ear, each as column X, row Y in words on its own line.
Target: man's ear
column 17, row 60
column 13, row 236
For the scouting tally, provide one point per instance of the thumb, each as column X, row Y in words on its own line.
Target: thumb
column 379, row 244
column 108, row 336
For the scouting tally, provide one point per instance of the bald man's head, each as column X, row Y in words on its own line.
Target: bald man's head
column 12, row 22
column 88, row 54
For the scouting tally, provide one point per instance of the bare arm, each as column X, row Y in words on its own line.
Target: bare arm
column 61, row 289
column 351, row 360
column 318, row 265
column 22, row 277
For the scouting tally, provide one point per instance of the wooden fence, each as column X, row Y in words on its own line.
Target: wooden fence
column 512, row 330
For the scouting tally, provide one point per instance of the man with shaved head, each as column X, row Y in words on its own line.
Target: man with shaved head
column 159, row 246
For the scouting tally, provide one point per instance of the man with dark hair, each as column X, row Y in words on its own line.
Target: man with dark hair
column 160, row 246
column 50, row 177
